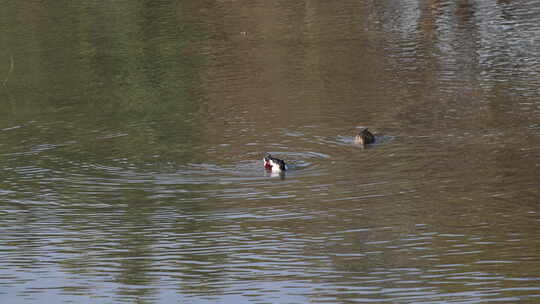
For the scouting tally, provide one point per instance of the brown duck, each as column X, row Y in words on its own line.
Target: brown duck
column 364, row 137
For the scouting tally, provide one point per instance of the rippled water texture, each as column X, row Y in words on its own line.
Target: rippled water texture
column 132, row 135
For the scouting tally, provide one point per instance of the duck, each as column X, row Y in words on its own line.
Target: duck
column 364, row 137
column 274, row 164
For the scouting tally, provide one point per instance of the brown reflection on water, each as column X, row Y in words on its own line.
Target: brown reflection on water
column 277, row 66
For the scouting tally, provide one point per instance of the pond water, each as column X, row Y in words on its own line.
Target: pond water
column 132, row 136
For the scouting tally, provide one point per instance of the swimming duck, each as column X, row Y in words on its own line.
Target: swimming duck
column 274, row 164
column 364, row 137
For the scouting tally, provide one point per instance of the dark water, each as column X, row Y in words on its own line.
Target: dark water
column 132, row 133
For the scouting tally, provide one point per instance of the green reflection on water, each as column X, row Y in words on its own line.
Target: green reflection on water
column 126, row 66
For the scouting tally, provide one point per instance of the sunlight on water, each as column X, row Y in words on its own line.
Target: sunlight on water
column 132, row 138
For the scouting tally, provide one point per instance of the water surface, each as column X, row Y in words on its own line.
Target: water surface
column 132, row 137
